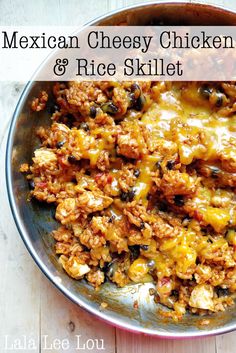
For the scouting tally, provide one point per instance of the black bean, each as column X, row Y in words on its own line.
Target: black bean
column 110, row 272
column 170, row 165
column 109, row 107
column 222, row 292
column 179, row 200
column 84, row 126
column 144, row 247
column 93, row 111
column 53, row 108
column 111, row 268
column 204, row 231
column 110, row 220
column 214, row 172
column 174, row 293
column 71, row 159
column 136, row 90
column 131, row 195
column 109, row 91
column 134, row 252
column 31, row 184
column 158, row 166
column 70, row 117
column 198, row 262
column 123, row 196
column 151, row 263
column 136, row 173
column 219, row 100
column 60, row 144
column 132, row 100
column 142, row 225
column 205, row 91
column 127, row 196
column 134, row 87
column 140, row 103
column 163, row 206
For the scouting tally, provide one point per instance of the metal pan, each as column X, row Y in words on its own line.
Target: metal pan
column 35, row 221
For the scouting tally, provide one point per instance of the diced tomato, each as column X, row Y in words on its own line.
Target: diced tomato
column 109, row 179
column 198, row 215
column 62, row 161
column 42, row 184
column 164, row 281
column 98, row 177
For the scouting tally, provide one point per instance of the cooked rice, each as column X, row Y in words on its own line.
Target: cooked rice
column 143, row 176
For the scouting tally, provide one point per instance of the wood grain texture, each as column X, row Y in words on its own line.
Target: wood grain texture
column 29, row 304
column 62, row 318
column 19, row 290
column 134, row 343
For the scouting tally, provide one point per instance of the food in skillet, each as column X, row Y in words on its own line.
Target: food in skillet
column 143, row 176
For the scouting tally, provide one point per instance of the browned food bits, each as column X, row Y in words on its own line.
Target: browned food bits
column 40, row 102
column 143, row 177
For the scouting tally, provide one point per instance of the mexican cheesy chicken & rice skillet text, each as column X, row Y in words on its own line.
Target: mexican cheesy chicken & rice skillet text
column 143, row 176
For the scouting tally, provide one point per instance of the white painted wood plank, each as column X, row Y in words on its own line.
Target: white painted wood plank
column 19, row 290
column 76, row 12
column 53, row 12
column 226, row 343
column 60, row 318
column 135, row 343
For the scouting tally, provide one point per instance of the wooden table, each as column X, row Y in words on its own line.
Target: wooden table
column 29, row 304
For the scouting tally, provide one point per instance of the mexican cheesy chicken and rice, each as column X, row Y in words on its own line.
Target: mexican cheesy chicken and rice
column 143, row 176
